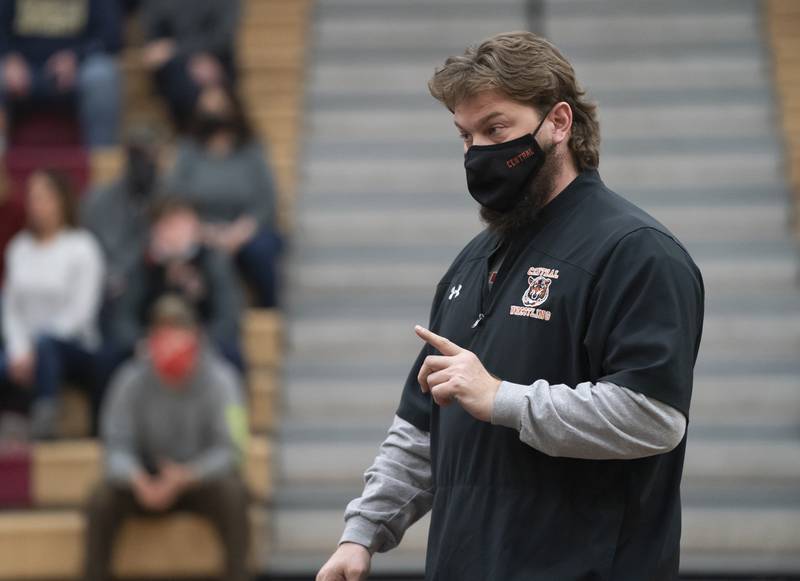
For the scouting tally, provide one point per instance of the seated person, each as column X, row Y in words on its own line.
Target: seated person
column 119, row 214
column 56, row 55
column 222, row 170
column 50, row 299
column 174, row 429
column 176, row 261
column 190, row 45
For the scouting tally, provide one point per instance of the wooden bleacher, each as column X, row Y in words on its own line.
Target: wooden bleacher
column 46, row 542
column 783, row 26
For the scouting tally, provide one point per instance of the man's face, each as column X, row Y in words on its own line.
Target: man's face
column 175, row 235
column 490, row 117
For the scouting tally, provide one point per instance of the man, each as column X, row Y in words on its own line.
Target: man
column 544, row 420
column 52, row 51
column 174, row 430
column 177, row 261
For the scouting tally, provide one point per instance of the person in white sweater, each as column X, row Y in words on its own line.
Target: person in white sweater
column 50, row 300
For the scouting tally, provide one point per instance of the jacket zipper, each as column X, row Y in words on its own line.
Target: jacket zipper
column 489, row 295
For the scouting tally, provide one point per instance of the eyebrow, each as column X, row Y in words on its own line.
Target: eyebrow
column 483, row 119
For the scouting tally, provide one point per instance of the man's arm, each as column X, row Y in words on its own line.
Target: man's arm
column 598, row 421
column 398, row 490
column 118, row 427
column 592, row 421
column 229, row 430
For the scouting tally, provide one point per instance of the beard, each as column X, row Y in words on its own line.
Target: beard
column 506, row 224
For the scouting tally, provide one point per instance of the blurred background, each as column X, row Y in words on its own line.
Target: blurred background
column 280, row 165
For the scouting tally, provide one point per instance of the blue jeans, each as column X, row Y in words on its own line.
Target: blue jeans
column 97, row 92
column 59, row 360
column 257, row 261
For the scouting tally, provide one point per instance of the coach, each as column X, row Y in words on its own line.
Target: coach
column 544, row 420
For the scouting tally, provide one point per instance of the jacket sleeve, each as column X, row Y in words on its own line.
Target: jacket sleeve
column 398, row 490
column 153, row 22
column 126, row 326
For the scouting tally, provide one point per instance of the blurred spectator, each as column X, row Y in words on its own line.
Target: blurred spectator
column 176, row 261
column 119, row 214
column 54, row 53
column 130, row 6
column 190, row 45
column 174, row 429
column 50, row 299
column 223, row 171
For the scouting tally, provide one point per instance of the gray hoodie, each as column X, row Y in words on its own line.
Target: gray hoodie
column 202, row 424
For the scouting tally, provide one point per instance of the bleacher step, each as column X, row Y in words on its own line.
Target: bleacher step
column 50, row 545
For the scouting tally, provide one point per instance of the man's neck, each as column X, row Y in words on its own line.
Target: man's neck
column 562, row 179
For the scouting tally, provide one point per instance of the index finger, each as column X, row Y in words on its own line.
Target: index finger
column 443, row 345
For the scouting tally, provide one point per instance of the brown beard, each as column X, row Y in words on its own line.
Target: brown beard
column 506, row 224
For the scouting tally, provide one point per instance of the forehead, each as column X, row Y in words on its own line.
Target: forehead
column 471, row 110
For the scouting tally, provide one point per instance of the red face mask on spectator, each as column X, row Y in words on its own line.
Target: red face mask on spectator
column 174, row 353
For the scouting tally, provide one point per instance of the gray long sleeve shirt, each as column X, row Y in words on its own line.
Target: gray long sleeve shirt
column 224, row 188
column 592, row 421
column 202, row 425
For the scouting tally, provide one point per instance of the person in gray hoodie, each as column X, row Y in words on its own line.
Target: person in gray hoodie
column 174, row 428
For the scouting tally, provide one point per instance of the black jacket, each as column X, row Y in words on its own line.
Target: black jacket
column 595, row 290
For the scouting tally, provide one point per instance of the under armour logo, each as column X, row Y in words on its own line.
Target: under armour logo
column 454, row 292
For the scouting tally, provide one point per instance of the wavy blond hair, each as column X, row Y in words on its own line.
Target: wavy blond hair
column 528, row 69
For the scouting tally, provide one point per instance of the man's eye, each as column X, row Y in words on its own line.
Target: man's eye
column 465, row 137
column 495, row 129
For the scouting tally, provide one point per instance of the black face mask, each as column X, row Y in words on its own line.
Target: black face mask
column 498, row 174
column 142, row 172
column 208, row 124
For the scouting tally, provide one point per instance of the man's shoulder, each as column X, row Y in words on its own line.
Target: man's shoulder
column 610, row 220
column 131, row 377
column 223, row 376
column 615, row 214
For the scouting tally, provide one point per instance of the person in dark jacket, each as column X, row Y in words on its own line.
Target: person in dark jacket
column 543, row 423
column 190, row 45
column 118, row 214
column 59, row 52
column 176, row 261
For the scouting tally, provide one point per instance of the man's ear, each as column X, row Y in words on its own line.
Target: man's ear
column 561, row 118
